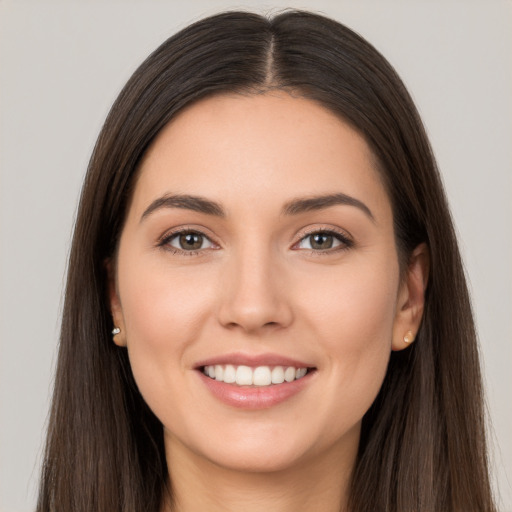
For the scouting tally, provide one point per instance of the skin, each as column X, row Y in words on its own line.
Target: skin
column 256, row 286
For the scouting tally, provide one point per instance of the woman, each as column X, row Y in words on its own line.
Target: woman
column 265, row 306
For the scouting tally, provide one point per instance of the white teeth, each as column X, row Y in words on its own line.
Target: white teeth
column 289, row 374
column 259, row 376
column 219, row 372
column 244, row 376
column 262, row 376
column 278, row 375
column 229, row 374
column 300, row 372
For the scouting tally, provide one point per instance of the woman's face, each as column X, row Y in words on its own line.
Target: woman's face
column 259, row 245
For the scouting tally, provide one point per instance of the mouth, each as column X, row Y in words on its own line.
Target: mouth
column 255, row 376
column 255, row 382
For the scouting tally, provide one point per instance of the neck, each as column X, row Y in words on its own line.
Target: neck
column 316, row 483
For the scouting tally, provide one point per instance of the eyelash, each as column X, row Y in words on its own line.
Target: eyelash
column 345, row 242
column 164, row 242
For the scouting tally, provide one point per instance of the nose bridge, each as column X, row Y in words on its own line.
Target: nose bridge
column 253, row 296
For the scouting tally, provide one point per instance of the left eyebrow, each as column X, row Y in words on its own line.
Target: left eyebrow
column 307, row 204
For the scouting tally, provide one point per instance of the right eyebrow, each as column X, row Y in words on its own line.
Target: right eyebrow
column 187, row 202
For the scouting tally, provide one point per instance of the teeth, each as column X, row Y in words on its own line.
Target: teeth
column 229, row 374
column 243, row 376
column 262, row 376
column 219, row 372
column 289, row 374
column 278, row 375
column 259, row 376
column 300, row 373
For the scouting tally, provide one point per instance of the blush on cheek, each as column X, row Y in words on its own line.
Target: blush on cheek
column 357, row 333
column 162, row 318
column 158, row 309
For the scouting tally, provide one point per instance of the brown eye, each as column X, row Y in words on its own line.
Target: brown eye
column 324, row 241
column 189, row 241
column 321, row 241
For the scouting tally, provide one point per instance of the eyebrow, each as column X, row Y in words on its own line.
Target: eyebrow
column 187, row 202
column 314, row 203
column 293, row 207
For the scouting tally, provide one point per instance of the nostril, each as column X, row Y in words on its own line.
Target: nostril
column 253, row 307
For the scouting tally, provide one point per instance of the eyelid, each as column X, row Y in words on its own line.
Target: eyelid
column 346, row 240
column 163, row 240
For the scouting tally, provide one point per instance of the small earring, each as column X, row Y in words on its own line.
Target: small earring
column 409, row 337
column 115, row 331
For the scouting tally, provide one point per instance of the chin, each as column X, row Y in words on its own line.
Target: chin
column 268, row 459
column 266, row 449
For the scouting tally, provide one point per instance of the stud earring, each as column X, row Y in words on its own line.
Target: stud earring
column 115, row 331
column 409, row 337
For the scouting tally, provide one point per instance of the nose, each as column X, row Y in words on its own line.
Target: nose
column 254, row 295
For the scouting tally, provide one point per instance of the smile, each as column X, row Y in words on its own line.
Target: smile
column 243, row 375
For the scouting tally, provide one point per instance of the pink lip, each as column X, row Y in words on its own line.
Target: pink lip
column 253, row 360
column 254, row 397
column 251, row 397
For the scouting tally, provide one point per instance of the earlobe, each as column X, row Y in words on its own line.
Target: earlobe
column 411, row 298
column 118, row 333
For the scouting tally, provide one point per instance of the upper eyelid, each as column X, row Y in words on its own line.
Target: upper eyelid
column 187, row 231
column 343, row 237
column 303, row 233
column 164, row 242
column 326, row 229
column 170, row 233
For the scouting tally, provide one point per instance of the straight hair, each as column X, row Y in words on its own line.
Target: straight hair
column 422, row 445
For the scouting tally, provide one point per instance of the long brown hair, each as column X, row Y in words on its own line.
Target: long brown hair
column 423, row 445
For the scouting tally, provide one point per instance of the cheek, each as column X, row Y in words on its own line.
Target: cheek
column 163, row 316
column 161, row 307
column 353, row 322
column 356, row 304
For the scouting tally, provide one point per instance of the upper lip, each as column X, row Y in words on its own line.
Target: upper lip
column 254, row 360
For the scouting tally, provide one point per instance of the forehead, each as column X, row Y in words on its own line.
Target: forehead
column 271, row 146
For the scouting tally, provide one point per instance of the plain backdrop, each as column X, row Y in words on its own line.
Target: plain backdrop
column 63, row 63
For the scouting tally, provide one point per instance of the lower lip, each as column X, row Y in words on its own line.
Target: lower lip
column 255, row 397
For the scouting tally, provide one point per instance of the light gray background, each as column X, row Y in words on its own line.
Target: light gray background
column 63, row 63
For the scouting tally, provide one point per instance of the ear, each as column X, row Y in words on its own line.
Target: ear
column 115, row 305
column 411, row 298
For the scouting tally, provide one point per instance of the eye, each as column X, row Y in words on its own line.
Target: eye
column 324, row 241
column 188, row 241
